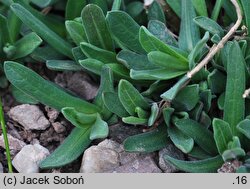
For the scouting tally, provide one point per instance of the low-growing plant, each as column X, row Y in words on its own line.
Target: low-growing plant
column 149, row 77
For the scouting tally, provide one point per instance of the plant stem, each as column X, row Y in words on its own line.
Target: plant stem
column 6, row 142
column 220, row 45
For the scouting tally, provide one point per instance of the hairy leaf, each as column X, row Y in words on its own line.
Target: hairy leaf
column 234, row 107
column 202, row 166
column 147, row 142
column 42, row 90
column 130, row 97
column 96, row 27
column 222, row 134
column 42, row 30
column 202, row 136
column 72, row 147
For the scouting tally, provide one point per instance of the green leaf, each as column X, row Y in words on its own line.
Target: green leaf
column 201, row 7
column 130, row 97
column 234, row 153
column 246, row 8
column 134, row 120
column 78, row 119
column 244, row 127
column 167, row 61
column 222, row 134
column 72, row 147
column 137, row 11
column 199, row 47
column 92, row 65
column 243, row 169
column 202, row 136
column 116, row 5
column 234, row 107
column 216, row 39
column 167, row 115
column 51, row 21
column 42, row 30
column 102, row 4
column 155, row 74
column 176, row 6
column 230, row 10
column 76, row 31
column 78, row 54
column 217, row 81
column 198, row 153
column 187, row 98
column 99, row 129
column 42, row 54
column 74, row 8
column 154, row 114
column 113, row 104
column 63, row 65
column 14, row 24
column 189, row 32
column 206, row 98
column 205, row 120
column 141, row 113
column 155, row 12
column 32, row 84
column 217, row 9
column 96, row 27
column 180, row 140
column 22, row 97
column 209, row 25
column 135, row 61
column 159, row 30
column 150, row 43
column 209, row 165
column 125, row 30
column 95, row 66
column 221, row 101
column 26, row 45
column 94, row 52
column 43, row 3
column 195, row 113
column 4, row 32
column 170, row 94
column 154, row 87
column 147, row 142
column 106, row 85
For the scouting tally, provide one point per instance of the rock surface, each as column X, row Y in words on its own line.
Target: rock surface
column 29, row 116
column 230, row 167
column 172, row 151
column 58, row 127
column 109, row 156
column 52, row 113
column 14, row 143
column 99, row 160
column 79, row 83
column 28, row 159
column 140, row 165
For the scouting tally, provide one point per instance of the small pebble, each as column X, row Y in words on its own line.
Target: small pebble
column 29, row 116
column 14, row 143
column 58, row 127
column 28, row 159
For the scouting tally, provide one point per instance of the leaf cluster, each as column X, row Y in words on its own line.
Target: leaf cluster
column 142, row 67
